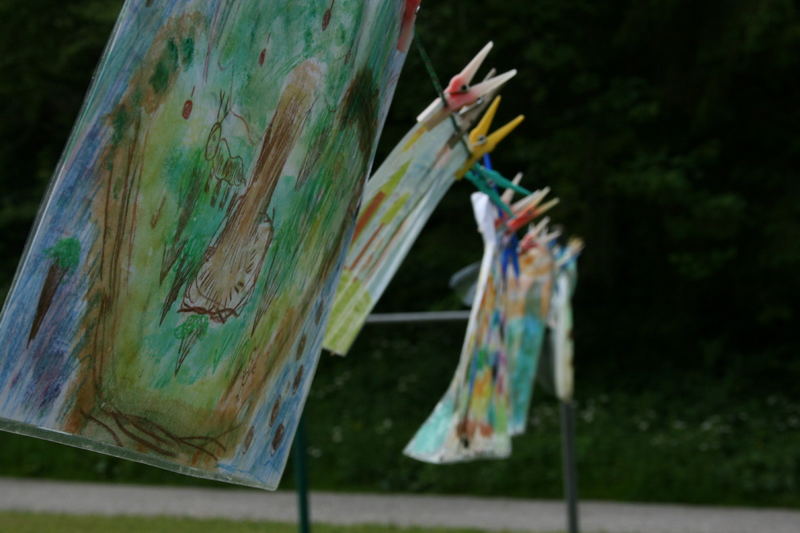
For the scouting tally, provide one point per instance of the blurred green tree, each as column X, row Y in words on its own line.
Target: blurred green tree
column 669, row 129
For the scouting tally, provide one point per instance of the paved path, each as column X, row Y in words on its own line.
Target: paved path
column 495, row 514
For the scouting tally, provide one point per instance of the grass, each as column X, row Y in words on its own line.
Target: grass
column 59, row 523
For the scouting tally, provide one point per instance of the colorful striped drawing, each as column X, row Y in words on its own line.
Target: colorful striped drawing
column 398, row 200
column 171, row 302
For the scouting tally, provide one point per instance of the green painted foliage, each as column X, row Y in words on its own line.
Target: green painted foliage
column 66, row 253
column 195, row 324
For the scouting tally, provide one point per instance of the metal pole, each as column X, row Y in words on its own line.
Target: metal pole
column 418, row 317
column 301, row 477
column 570, row 470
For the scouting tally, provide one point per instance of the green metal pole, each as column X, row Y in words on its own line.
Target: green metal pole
column 301, row 477
column 570, row 470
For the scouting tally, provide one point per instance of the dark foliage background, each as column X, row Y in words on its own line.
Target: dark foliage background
column 668, row 128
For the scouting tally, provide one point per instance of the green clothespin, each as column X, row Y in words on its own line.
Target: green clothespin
column 500, row 181
column 483, row 186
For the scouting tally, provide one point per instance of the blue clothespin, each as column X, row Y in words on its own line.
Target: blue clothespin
column 510, row 255
column 487, row 163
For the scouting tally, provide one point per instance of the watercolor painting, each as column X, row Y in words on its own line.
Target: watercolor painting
column 527, row 305
column 401, row 195
column 172, row 299
column 560, row 317
column 489, row 396
column 471, row 420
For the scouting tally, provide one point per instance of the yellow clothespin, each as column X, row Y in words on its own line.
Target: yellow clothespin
column 481, row 142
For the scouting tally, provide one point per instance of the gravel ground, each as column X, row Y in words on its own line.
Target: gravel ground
column 494, row 514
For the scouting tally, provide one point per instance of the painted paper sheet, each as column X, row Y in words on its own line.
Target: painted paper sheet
column 471, row 420
column 171, row 303
column 527, row 301
column 399, row 198
column 401, row 195
column 560, row 319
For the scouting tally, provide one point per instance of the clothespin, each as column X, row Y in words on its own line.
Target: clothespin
column 570, row 252
column 495, row 177
column 539, row 228
column 501, row 205
column 526, row 243
column 459, row 93
column 470, row 114
column 529, row 208
column 532, row 200
column 510, row 242
column 576, row 245
column 489, row 181
column 481, row 142
column 548, row 237
column 531, row 238
column 510, row 254
column 486, row 188
column 508, row 194
column 539, row 237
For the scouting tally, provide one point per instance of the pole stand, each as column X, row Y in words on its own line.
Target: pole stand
column 570, row 469
column 301, row 477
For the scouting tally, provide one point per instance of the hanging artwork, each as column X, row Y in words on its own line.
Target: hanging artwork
column 560, row 318
column 471, row 420
column 171, row 302
column 476, row 416
column 402, row 194
column 527, row 304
